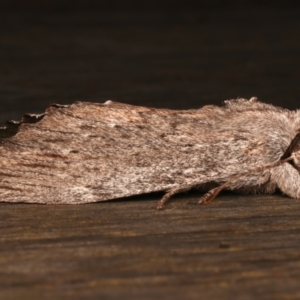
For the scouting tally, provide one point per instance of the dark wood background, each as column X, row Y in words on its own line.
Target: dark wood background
column 184, row 57
column 162, row 54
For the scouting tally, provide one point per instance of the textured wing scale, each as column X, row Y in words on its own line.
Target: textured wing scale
column 90, row 152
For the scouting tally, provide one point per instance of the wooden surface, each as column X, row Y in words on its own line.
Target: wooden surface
column 235, row 248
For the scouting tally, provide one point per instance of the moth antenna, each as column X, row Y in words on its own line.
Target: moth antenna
column 290, row 149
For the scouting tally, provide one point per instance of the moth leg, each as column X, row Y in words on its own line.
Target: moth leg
column 211, row 195
column 283, row 174
column 161, row 203
column 287, row 179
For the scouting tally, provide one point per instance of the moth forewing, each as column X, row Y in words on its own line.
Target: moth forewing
column 90, row 152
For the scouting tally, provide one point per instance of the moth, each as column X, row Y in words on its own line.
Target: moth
column 90, row 152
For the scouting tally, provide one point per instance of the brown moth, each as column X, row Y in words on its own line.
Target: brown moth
column 90, row 152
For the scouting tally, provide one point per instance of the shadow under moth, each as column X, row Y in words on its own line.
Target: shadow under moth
column 90, row 152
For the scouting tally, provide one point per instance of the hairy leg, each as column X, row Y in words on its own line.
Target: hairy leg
column 169, row 194
column 283, row 174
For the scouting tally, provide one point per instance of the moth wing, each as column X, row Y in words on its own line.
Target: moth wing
column 90, row 152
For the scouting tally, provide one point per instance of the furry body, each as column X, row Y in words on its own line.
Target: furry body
column 90, row 152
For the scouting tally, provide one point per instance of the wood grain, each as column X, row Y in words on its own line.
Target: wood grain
column 238, row 247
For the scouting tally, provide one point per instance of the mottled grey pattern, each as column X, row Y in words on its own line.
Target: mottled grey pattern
column 89, row 152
